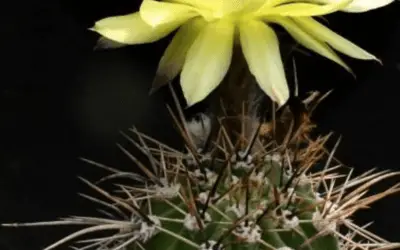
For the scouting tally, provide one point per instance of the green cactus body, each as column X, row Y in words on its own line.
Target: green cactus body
column 254, row 194
column 252, row 207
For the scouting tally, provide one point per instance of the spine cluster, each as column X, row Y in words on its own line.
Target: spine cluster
column 250, row 193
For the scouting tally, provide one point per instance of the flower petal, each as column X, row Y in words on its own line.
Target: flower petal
column 309, row 41
column 131, row 29
column 239, row 6
column 172, row 61
column 338, row 42
column 207, row 61
column 272, row 3
column 253, row 5
column 260, row 47
column 366, row 5
column 157, row 13
column 212, row 9
column 306, row 9
column 363, row 5
column 201, row 4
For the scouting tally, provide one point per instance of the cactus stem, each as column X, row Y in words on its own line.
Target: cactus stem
column 216, row 183
column 220, row 213
column 269, row 246
column 242, row 194
column 177, row 236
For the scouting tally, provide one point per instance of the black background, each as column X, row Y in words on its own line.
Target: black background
column 60, row 100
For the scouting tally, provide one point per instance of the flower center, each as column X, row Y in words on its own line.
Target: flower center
column 235, row 9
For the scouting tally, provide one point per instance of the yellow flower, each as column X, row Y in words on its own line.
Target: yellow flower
column 201, row 50
column 360, row 5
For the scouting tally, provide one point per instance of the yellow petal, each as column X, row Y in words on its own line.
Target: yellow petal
column 207, row 61
column 309, row 41
column 201, row 4
column 260, row 47
column 160, row 13
column 272, row 3
column 305, row 9
column 363, row 5
column 338, row 42
column 366, row 5
column 228, row 7
column 239, row 6
column 215, row 9
column 131, row 29
column 212, row 9
column 246, row 6
column 172, row 61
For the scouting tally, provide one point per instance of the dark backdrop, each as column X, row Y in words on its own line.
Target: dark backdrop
column 60, row 100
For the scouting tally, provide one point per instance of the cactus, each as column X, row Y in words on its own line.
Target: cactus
column 258, row 192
